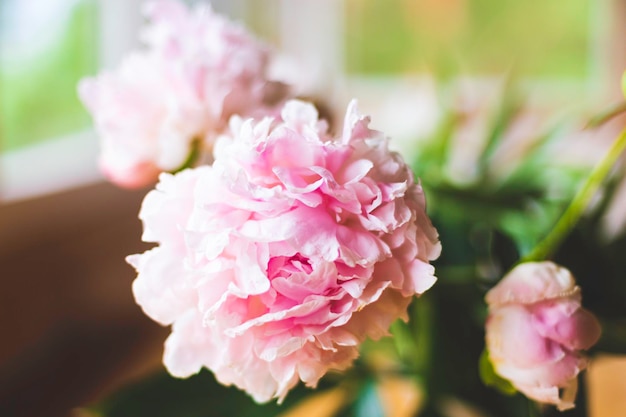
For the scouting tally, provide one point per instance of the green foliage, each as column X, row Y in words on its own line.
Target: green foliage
column 198, row 396
column 39, row 98
column 490, row 378
column 522, row 202
column 202, row 396
column 478, row 36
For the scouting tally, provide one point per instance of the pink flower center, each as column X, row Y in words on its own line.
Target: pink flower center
column 283, row 266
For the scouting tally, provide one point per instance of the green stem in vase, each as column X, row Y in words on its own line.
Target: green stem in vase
column 579, row 203
column 532, row 409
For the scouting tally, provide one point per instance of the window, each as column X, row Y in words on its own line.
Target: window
column 560, row 49
column 46, row 48
column 46, row 141
column 538, row 38
column 372, row 47
column 46, row 138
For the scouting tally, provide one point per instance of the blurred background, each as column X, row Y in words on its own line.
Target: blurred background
column 72, row 332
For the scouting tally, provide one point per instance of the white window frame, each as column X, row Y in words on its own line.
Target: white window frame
column 310, row 31
column 52, row 165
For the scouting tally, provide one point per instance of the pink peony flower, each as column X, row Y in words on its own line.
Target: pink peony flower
column 275, row 263
column 147, row 116
column 198, row 70
column 536, row 331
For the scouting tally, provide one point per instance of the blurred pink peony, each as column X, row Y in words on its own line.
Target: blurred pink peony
column 536, row 330
column 275, row 263
column 198, row 70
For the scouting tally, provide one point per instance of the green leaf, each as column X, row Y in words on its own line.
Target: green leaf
column 579, row 203
column 490, row 378
column 403, row 341
column 608, row 113
column 431, row 158
column 509, row 109
column 198, row 396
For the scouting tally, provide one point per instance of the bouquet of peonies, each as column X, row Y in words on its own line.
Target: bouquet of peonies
column 288, row 249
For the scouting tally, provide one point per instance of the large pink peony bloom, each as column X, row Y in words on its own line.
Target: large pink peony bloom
column 536, row 330
column 197, row 71
column 275, row 263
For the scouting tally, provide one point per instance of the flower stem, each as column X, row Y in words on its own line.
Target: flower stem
column 607, row 115
column 579, row 203
column 532, row 409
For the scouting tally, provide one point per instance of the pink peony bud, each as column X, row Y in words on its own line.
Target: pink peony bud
column 278, row 260
column 536, row 331
column 197, row 70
